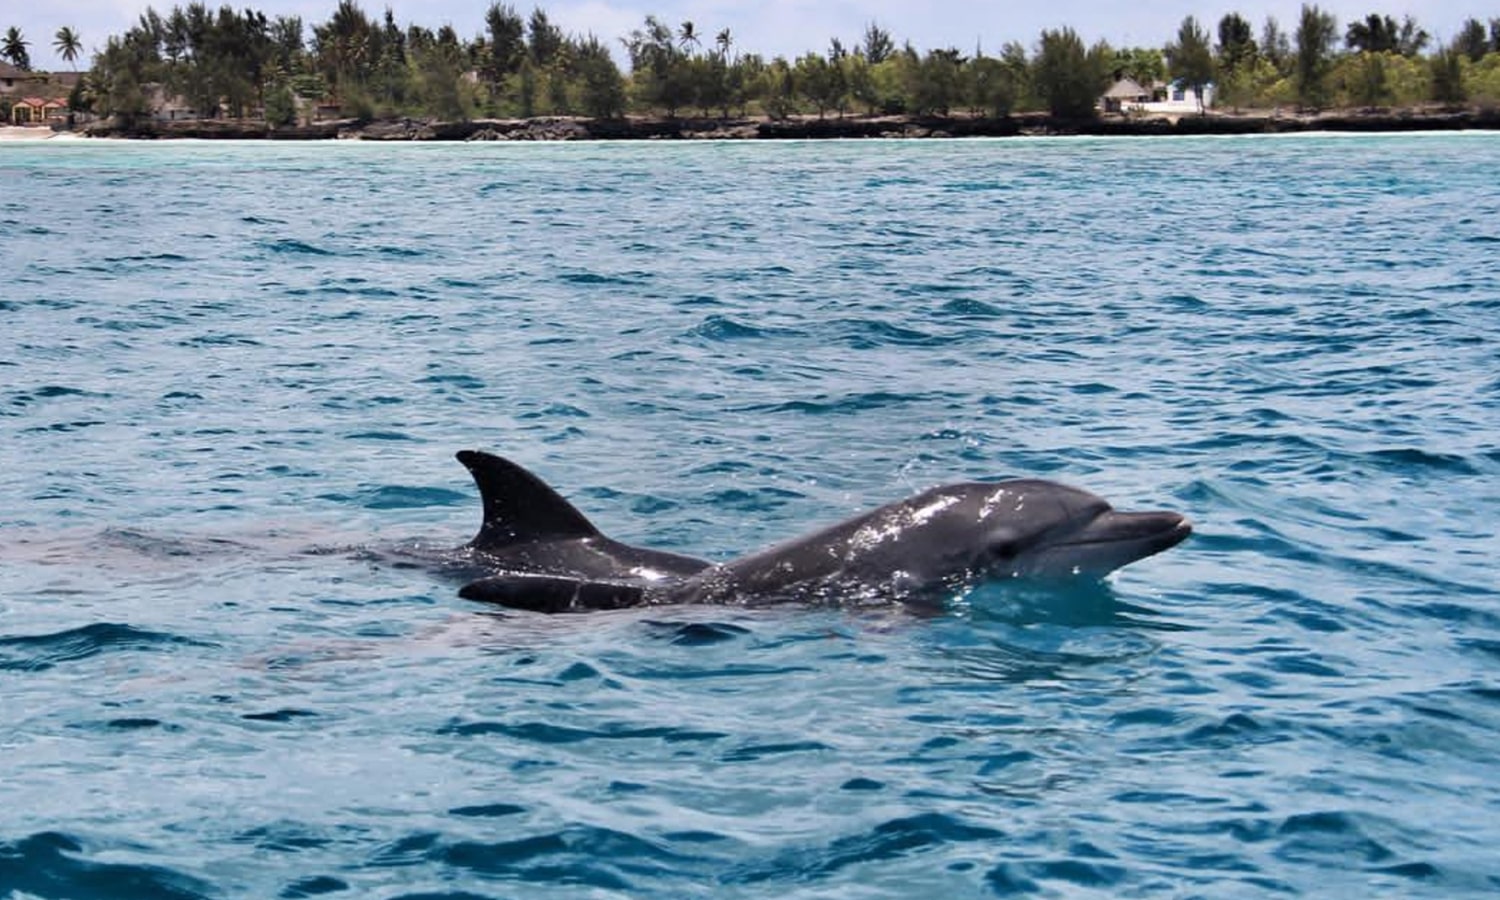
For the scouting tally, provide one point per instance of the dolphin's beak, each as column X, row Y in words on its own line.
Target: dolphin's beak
column 1113, row 539
column 1158, row 530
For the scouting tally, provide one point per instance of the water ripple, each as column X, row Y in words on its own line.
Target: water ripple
column 32, row 653
column 47, row 864
column 209, row 377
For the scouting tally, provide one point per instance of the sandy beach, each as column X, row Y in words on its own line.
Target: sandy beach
column 34, row 133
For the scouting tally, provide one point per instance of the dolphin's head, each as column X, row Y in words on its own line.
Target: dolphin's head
column 1042, row 530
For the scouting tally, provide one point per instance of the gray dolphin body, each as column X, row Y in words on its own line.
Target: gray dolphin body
column 922, row 550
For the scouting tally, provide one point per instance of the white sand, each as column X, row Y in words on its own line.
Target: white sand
column 35, row 133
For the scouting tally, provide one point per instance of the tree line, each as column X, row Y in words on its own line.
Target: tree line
column 242, row 63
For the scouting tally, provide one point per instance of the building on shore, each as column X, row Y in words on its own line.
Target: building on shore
column 39, row 111
column 1127, row 96
column 35, row 98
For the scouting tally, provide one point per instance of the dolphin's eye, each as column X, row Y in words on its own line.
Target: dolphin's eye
column 1005, row 550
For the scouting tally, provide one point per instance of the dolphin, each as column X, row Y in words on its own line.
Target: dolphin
column 922, row 550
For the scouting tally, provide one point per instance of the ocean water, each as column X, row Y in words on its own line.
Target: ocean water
column 229, row 370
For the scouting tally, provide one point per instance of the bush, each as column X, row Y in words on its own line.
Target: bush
column 281, row 106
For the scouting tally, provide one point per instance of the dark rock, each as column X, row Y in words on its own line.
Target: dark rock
column 566, row 128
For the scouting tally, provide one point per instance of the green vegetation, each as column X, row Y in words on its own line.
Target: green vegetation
column 13, row 47
column 1189, row 59
column 1315, row 34
column 67, row 44
column 1068, row 78
column 226, row 63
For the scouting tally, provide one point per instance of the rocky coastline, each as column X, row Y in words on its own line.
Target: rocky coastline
column 802, row 128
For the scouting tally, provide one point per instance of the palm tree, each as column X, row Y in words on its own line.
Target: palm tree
column 67, row 45
column 724, row 41
column 13, row 48
column 688, row 35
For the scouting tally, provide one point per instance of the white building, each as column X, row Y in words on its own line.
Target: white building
column 1174, row 99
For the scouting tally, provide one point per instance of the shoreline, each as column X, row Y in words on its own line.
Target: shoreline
column 33, row 133
column 562, row 128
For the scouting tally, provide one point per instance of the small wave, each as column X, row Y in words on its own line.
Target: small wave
column 148, row 257
column 395, row 496
column 650, row 505
column 592, row 278
column 970, row 309
column 64, row 427
column 338, row 290
column 314, row 886
column 1022, row 878
column 556, row 411
column 862, row 784
column 220, row 340
column 56, row 390
column 578, row 855
column 723, row 328
column 1334, row 836
column 487, row 811
column 759, row 500
column 161, row 547
column 846, row 405
column 137, row 723
column 699, row 634
column 547, row 733
column 698, row 301
column 293, row 247
column 867, row 334
column 463, row 382
column 52, row 392
column 889, row 840
column 49, row 864
column 279, row 715
column 283, row 837
column 496, row 187
column 582, row 855
column 754, row 752
column 1411, row 458
column 35, row 653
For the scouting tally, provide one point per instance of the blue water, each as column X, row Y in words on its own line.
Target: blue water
column 215, row 358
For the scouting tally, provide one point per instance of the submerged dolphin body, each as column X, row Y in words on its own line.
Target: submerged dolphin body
column 937, row 544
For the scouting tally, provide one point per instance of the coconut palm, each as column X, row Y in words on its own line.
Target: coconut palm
column 68, row 45
column 13, row 48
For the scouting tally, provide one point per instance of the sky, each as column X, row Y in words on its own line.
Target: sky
column 787, row 28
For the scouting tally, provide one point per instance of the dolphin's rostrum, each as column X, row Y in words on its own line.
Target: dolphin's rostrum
column 547, row 557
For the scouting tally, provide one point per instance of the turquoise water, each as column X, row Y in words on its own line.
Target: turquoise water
column 216, row 358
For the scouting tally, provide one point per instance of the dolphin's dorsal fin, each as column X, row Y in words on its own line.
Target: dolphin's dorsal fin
column 518, row 506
